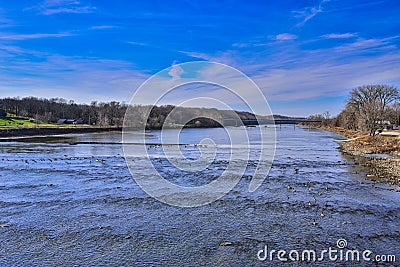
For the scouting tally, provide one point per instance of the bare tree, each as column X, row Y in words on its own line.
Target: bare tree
column 370, row 103
column 394, row 113
column 327, row 118
column 348, row 118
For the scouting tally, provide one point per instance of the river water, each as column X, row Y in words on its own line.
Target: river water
column 71, row 201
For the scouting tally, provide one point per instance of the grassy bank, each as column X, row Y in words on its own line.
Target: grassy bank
column 13, row 126
column 362, row 149
column 13, row 122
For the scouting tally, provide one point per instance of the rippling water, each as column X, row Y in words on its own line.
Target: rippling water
column 72, row 201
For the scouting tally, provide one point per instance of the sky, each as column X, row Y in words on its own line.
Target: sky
column 304, row 55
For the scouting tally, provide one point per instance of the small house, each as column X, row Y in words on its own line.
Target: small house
column 384, row 125
column 70, row 121
column 67, row 121
column 396, row 127
column 83, row 121
column 383, row 122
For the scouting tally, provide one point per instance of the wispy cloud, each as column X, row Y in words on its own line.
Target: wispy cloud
column 176, row 71
column 308, row 13
column 226, row 57
column 285, row 37
column 137, row 43
column 241, row 45
column 79, row 78
column 330, row 79
column 103, row 27
column 51, row 7
column 342, row 68
column 204, row 56
column 372, row 45
column 11, row 36
column 339, row 35
column 4, row 21
column 293, row 75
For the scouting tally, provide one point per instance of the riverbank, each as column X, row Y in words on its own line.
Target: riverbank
column 379, row 154
column 41, row 131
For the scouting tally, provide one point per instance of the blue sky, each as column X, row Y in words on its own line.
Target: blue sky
column 304, row 55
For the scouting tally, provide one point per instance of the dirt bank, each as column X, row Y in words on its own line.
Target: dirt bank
column 379, row 154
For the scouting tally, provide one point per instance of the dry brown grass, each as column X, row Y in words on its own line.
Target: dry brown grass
column 343, row 131
column 376, row 144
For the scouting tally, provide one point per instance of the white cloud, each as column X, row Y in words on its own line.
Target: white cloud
column 176, row 71
column 367, row 45
column 339, row 35
column 308, row 13
column 241, row 45
column 204, row 56
column 137, row 43
column 225, row 57
column 285, row 37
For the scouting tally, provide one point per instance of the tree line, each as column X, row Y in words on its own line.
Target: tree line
column 112, row 113
column 51, row 110
column 368, row 108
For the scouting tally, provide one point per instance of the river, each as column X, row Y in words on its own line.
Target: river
column 71, row 200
